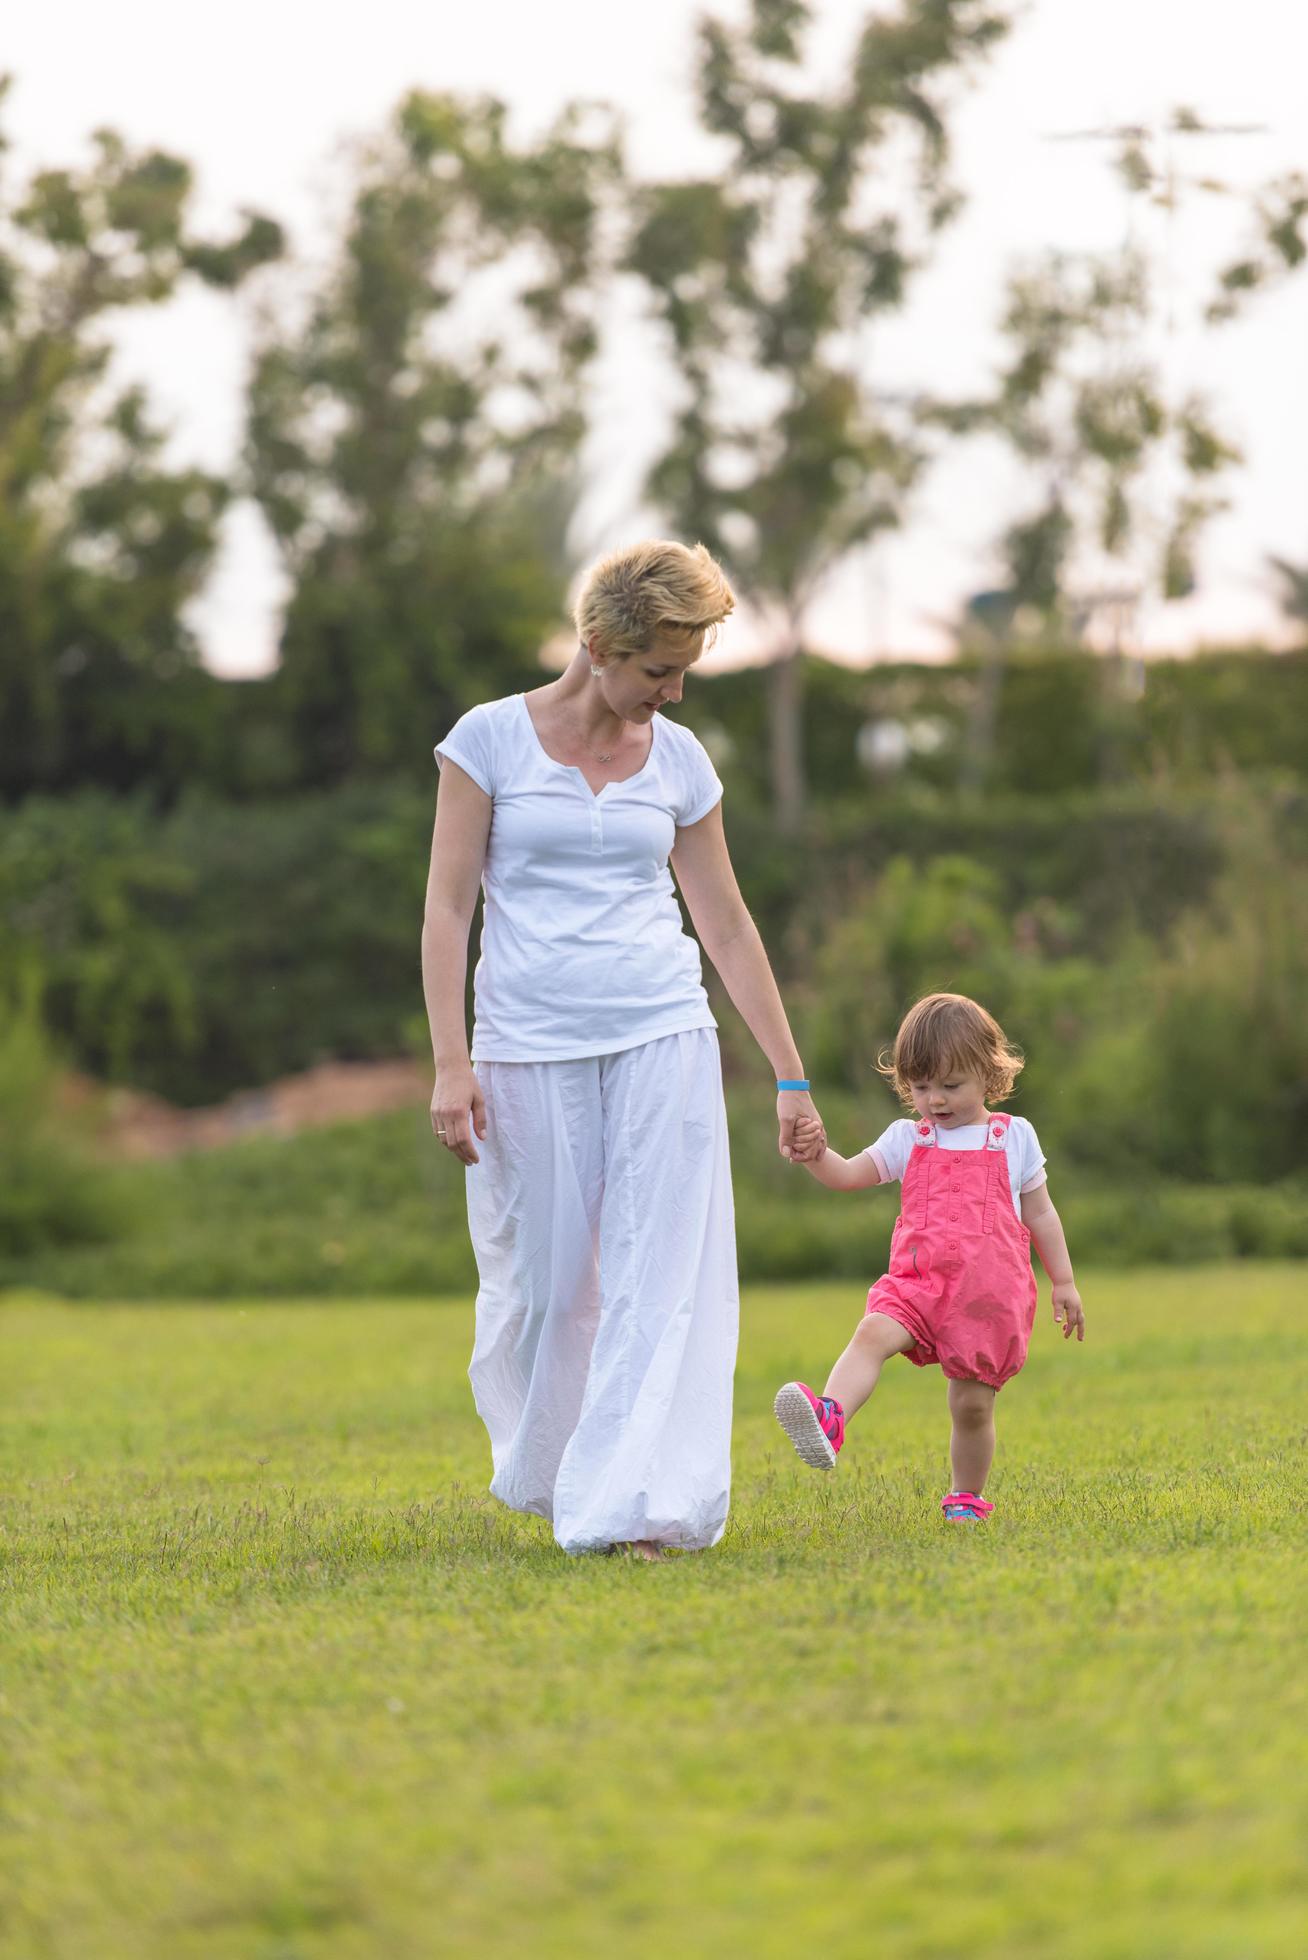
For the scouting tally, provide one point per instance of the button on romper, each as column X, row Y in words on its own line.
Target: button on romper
column 960, row 1279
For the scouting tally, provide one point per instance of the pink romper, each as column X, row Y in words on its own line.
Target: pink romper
column 960, row 1279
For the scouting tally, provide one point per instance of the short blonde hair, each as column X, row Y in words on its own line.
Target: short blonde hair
column 657, row 591
column 949, row 1031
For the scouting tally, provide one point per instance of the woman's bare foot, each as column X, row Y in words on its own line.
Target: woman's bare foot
column 647, row 1549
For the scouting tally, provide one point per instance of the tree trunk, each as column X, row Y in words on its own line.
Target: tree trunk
column 786, row 728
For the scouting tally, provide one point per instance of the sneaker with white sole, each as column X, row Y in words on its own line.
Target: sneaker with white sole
column 815, row 1424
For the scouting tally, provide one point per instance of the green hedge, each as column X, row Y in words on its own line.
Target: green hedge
column 54, row 1193
column 376, row 1208
column 224, row 945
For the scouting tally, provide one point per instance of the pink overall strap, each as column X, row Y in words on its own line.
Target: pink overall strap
column 997, row 1123
column 924, row 1134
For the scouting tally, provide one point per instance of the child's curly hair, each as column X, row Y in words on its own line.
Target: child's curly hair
column 948, row 1031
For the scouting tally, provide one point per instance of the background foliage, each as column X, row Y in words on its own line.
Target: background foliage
column 1145, row 941
column 208, row 885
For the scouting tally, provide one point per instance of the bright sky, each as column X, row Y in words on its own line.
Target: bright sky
column 261, row 94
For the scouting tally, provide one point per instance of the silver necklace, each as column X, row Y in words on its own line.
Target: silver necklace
column 600, row 755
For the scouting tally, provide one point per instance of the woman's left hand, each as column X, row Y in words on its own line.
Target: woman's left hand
column 791, row 1105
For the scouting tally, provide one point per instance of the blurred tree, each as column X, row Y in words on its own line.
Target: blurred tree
column 413, row 445
column 101, row 544
column 1078, row 401
column 1127, row 477
column 1126, row 469
column 782, row 457
column 1279, row 247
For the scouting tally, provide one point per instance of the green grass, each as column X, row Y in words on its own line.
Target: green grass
column 281, row 1682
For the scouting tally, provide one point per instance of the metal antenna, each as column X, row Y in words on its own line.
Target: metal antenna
column 1144, row 172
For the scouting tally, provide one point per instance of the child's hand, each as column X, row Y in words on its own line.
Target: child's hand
column 809, row 1142
column 1068, row 1312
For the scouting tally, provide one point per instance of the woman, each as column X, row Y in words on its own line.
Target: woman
column 590, row 1114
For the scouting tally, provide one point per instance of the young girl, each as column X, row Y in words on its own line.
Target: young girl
column 960, row 1289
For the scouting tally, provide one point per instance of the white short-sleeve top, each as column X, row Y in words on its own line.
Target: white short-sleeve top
column 1026, row 1161
column 583, row 951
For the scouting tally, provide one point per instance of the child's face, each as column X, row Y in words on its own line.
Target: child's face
column 952, row 1100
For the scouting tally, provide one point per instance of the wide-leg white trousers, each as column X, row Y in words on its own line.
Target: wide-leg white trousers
column 601, row 1217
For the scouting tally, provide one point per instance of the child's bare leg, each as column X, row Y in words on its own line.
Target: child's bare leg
column 858, row 1370
column 972, row 1442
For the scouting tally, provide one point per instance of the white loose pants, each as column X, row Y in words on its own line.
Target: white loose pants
column 602, row 1221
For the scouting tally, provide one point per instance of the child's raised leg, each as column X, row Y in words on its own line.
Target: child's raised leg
column 858, row 1370
column 972, row 1440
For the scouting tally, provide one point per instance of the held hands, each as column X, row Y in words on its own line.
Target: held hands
column 807, row 1139
column 458, row 1109
column 1068, row 1312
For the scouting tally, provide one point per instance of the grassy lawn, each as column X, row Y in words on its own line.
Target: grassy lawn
column 280, row 1681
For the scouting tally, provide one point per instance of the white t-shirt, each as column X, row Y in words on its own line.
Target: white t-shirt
column 893, row 1148
column 582, row 947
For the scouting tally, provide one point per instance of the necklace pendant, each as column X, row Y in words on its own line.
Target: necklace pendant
column 603, row 758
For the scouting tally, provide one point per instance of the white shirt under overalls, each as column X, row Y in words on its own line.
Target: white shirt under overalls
column 1026, row 1160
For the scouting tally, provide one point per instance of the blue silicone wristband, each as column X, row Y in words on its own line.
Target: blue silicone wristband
column 792, row 1085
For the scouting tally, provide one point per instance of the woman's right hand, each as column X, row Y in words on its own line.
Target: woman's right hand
column 458, row 1110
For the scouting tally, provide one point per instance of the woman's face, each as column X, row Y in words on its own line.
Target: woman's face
column 639, row 685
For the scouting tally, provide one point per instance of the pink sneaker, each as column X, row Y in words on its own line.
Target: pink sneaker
column 815, row 1424
column 967, row 1506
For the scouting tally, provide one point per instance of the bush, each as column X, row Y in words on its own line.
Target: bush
column 85, row 887
column 1145, row 950
column 1207, row 1044
column 374, row 1208
column 52, row 1193
column 917, row 930
column 360, row 1207
column 223, row 945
